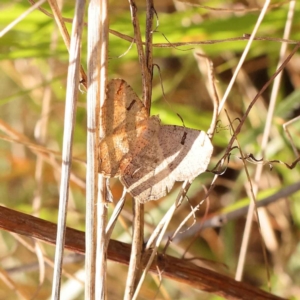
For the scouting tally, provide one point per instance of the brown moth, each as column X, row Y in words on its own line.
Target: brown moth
column 147, row 156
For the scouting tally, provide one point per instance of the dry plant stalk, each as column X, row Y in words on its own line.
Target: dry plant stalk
column 146, row 71
column 134, row 268
column 96, row 211
column 266, row 135
column 70, row 111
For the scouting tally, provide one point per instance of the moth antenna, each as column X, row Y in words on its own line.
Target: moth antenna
column 123, row 54
column 162, row 86
column 212, row 89
column 179, row 116
column 164, row 95
column 157, row 20
column 109, row 195
column 172, row 45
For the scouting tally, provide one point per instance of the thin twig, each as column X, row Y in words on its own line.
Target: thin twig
column 148, row 54
column 235, row 9
column 220, row 218
column 212, row 42
column 139, row 46
column 134, row 268
column 138, row 208
column 159, row 234
column 125, row 37
column 114, row 217
column 262, row 90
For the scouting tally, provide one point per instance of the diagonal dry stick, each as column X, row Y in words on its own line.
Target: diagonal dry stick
column 170, row 267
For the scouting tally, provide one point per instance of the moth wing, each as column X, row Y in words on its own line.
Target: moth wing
column 173, row 153
column 122, row 108
column 146, row 177
column 187, row 151
column 123, row 118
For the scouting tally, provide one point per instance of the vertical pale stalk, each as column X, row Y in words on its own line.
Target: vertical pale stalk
column 102, row 205
column 70, row 110
column 96, row 215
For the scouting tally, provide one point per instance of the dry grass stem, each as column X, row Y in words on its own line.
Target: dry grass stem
column 96, row 212
column 137, row 207
column 70, row 111
column 265, row 139
column 245, row 52
column 101, row 45
column 21, row 17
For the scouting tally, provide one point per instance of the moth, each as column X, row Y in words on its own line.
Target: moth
column 147, row 156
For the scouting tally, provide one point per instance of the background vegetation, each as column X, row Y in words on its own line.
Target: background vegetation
column 33, row 64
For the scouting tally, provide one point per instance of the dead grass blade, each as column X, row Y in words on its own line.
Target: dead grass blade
column 70, row 111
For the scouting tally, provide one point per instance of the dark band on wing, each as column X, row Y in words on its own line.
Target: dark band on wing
column 131, row 104
column 183, row 138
